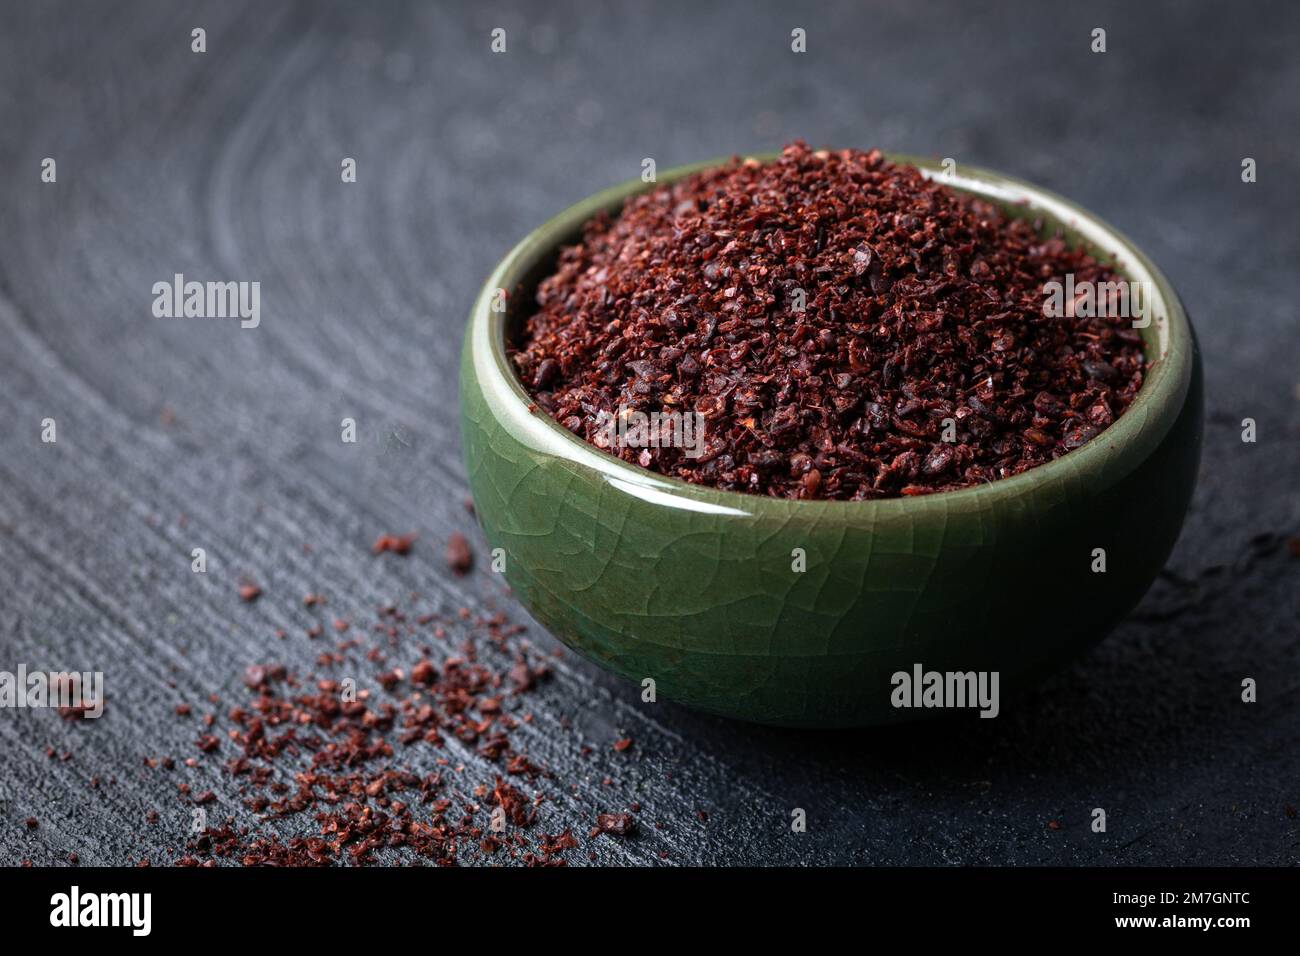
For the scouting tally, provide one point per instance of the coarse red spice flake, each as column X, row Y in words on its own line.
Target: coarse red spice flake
column 459, row 556
column 68, row 687
column 616, row 824
column 395, row 543
column 922, row 359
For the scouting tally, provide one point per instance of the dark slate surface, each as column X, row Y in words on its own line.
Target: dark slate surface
column 180, row 434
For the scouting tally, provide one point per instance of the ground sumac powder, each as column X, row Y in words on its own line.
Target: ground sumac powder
column 842, row 327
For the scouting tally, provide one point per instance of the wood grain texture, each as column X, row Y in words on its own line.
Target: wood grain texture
column 176, row 434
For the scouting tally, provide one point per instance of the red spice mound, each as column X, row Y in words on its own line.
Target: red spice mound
column 921, row 305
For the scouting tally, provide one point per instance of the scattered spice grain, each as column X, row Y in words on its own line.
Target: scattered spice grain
column 459, row 556
column 397, row 544
column 616, row 824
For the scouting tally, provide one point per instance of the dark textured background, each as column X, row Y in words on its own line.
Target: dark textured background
column 176, row 434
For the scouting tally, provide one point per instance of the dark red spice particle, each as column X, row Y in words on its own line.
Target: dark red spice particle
column 616, row 824
column 424, row 673
column 183, row 710
column 68, row 687
column 397, row 544
column 32, row 823
column 74, row 859
column 552, row 845
column 1053, row 825
column 623, row 744
column 922, row 306
column 459, row 556
column 249, row 592
column 522, row 676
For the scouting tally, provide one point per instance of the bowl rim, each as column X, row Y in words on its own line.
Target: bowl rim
column 1102, row 461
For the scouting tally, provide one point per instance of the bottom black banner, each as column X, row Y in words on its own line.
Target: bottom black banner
column 996, row 904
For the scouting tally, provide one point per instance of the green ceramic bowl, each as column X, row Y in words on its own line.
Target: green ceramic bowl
column 694, row 588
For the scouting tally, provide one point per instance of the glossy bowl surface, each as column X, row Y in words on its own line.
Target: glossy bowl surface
column 697, row 590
